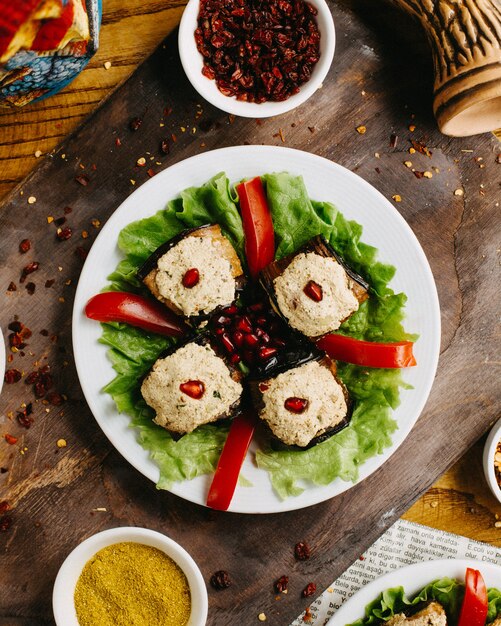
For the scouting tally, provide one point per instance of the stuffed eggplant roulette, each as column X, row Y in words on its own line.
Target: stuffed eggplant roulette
column 273, row 335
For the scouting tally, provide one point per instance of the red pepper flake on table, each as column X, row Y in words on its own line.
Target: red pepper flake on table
column 309, row 590
column 258, row 51
column 302, row 551
column 220, row 580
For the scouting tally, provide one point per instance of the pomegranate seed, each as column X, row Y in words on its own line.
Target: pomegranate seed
column 258, row 306
column 231, row 310
column 296, row 405
column 262, row 321
column 263, row 387
column 235, row 358
column 223, row 320
column 191, row 278
column 266, row 353
column 193, row 388
column 238, row 338
column 227, row 343
column 251, row 341
column 278, row 343
column 314, row 291
column 244, row 324
column 265, row 338
column 219, row 330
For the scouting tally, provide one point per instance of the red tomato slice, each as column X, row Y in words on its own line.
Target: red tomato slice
column 368, row 353
column 230, row 462
column 120, row 306
column 258, row 225
column 475, row 604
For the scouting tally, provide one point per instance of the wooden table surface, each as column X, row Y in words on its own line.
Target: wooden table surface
column 460, row 500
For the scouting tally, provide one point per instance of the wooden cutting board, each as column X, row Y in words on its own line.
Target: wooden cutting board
column 60, row 495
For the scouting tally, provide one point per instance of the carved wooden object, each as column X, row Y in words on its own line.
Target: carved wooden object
column 465, row 38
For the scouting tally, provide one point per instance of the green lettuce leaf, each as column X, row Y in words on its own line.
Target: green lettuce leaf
column 447, row 591
column 296, row 219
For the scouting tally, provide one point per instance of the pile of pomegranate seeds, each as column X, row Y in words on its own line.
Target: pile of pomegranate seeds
column 252, row 334
column 258, row 50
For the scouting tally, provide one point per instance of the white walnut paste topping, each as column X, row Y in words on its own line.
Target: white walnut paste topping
column 326, row 403
column 177, row 411
column 304, row 314
column 216, row 285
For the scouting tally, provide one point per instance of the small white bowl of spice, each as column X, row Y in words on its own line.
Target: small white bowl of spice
column 126, row 576
column 254, row 58
column 492, row 460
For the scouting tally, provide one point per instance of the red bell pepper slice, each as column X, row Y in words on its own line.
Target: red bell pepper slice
column 120, row 306
column 368, row 353
column 475, row 603
column 230, row 462
column 258, row 225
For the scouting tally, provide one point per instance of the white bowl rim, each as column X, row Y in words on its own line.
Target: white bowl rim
column 69, row 572
column 207, row 87
column 488, row 459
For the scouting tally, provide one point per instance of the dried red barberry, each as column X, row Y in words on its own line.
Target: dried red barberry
column 302, row 551
column 24, row 246
column 63, row 234
column 25, row 420
column 10, row 439
column 309, row 590
column 32, row 378
column 29, row 269
column 220, row 580
column 281, row 584
column 164, row 146
column 12, row 286
column 12, row 376
column 135, row 123
column 55, row 398
column 30, row 288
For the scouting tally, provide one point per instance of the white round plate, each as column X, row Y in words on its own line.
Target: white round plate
column 383, row 227
column 412, row 578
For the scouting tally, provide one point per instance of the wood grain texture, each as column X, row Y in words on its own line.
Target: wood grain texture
column 56, row 492
column 130, row 32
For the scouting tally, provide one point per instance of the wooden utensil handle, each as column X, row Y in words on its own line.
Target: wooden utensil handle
column 465, row 38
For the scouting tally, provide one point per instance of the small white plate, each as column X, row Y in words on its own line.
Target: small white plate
column 192, row 62
column 384, row 228
column 64, row 588
column 412, row 578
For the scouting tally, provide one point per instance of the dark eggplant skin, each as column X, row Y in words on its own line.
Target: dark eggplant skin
column 150, row 266
column 264, row 374
column 319, row 245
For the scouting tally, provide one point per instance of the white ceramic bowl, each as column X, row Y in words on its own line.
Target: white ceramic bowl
column 66, row 580
column 192, row 62
column 488, row 460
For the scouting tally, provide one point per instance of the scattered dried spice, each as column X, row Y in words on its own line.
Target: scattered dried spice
column 10, row 439
column 24, row 417
column 361, row 130
column 29, row 269
column 24, row 246
column 12, row 286
column 63, row 234
column 12, row 376
column 412, row 127
column 258, row 50
column 55, row 398
column 308, row 616
column 83, row 179
column 459, row 192
column 49, row 283
column 393, row 140
column 262, row 617
column 397, row 197
column 418, row 174
column 302, row 551
column 309, row 590
column 30, row 288
column 5, row 523
column 281, row 584
column 151, row 172
column 498, row 158
column 20, row 334
column 419, row 146
column 32, row 200
column 164, row 146
column 61, row 443
column 220, row 580
column 4, row 507
column 118, row 142
column 135, row 123
column 141, row 162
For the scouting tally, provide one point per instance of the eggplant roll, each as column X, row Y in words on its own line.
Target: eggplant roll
column 192, row 385
column 195, row 273
column 313, row 289
column 304, row 404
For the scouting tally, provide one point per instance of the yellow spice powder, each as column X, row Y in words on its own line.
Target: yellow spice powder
column 130, row 584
